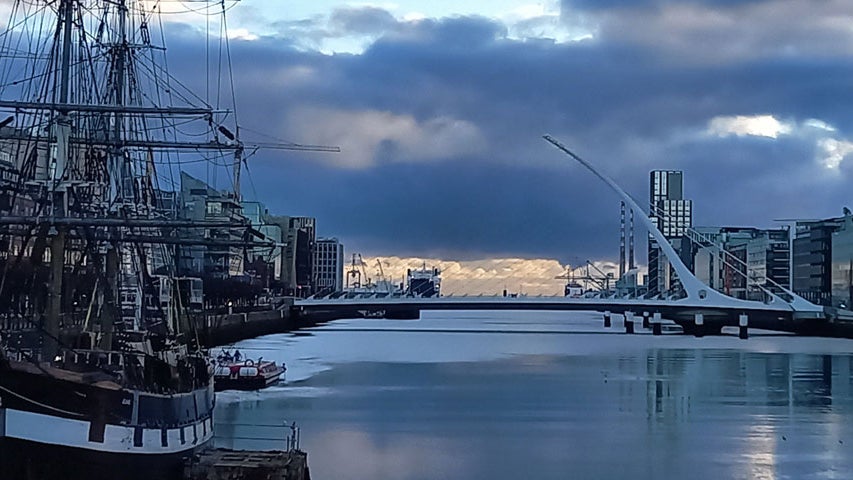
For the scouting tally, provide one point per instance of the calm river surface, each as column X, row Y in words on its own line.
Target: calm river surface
column 518, row 395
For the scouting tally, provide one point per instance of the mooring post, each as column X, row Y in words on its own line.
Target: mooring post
column 607, row 319
column 629, row 322
column 699, row 321
column 743, row 323
column 657, row 328
column 645, row 319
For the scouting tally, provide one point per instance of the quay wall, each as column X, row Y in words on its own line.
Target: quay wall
column 218, row 329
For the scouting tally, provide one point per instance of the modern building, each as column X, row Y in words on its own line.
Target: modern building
column 263, row 264
column 841, row 270
column 758, row 258
column 199, row 201
column 299, row 234
column 673, row 215
column 707, row 259
column 328, row 267
column 823, row 261
column 768, row 256
column 813, row 257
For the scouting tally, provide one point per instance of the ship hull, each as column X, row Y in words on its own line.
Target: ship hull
column 246, row 375
column 54, row 428
column 28, row 460
column 253, row 383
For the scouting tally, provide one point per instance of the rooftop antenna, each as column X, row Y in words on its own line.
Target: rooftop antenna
column 622, row 240
column 631, row 265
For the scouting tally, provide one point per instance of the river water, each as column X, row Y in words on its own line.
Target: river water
column 518, row 395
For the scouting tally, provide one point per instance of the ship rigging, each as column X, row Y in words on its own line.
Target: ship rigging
column 100, row 364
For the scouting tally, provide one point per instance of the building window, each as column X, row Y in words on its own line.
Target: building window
column 214, row 208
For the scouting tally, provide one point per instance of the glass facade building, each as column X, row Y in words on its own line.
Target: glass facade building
column 673, row 215
column 841, row 268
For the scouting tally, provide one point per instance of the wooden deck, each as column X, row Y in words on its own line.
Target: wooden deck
column 248, row 465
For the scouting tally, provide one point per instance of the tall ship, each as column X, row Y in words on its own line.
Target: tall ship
column 101, row 371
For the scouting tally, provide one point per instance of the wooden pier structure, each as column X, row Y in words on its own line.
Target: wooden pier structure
column 219, row 464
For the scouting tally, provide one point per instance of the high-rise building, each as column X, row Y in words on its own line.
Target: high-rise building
column 328, row 266
column 673, row 215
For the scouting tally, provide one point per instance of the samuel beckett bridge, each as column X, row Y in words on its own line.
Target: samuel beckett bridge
column 697, row 308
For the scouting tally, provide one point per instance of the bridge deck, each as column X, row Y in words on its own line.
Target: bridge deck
column 779, row 317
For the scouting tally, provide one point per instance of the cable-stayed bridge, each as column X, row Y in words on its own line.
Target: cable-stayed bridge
column 697, row 309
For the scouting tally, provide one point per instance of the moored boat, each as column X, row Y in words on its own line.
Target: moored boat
column 236, row 373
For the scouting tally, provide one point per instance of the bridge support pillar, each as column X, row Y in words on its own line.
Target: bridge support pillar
column 646, row 320
column 629, row 322
column 657, row 328
column 699, row 322
column 743, row 323
column 607, row 319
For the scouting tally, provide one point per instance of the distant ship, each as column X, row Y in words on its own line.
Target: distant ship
column 574, row 290
column 423, row 282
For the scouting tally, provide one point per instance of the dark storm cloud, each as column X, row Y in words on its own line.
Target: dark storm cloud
column 458, row 210
column 627, row 107
column 464, row 32
column 363, row 20
column 610, row 4
column 703, row 31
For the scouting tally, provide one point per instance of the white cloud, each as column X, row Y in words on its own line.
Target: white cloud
column 367, row 136
column 414, row 17
column 834, row 151
column 819, row 124
column 486, row 277
column 743, row 125
column 241, row 34
column 831, row 149
column 543, row 20
column 318, row 28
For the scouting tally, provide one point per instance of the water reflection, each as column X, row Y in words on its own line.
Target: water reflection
column 574, row 407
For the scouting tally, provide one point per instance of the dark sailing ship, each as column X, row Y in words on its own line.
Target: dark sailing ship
column 101, row 371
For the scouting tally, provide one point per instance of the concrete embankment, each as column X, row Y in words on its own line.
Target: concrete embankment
column 216, row 329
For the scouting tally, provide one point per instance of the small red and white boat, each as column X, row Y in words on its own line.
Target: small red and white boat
column 234, row 373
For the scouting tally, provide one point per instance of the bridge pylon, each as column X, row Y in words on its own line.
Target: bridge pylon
column 694, row 289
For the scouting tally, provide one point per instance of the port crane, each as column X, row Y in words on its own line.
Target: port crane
column 599, row 282
column 356, row 272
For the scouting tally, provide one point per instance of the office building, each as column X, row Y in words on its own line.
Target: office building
column 199, row 201
column 299, row 234
column 673, row 215
column 812, row 259
column 841, row 270
column 263, row 264
column 757, row 258
column 328, row 267
column 823, row 261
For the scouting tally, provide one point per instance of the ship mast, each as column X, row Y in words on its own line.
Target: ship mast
column 57, row 189
column 120, row 52
column 81, row 214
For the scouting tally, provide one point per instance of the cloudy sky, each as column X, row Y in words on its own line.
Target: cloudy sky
column 439, row 107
